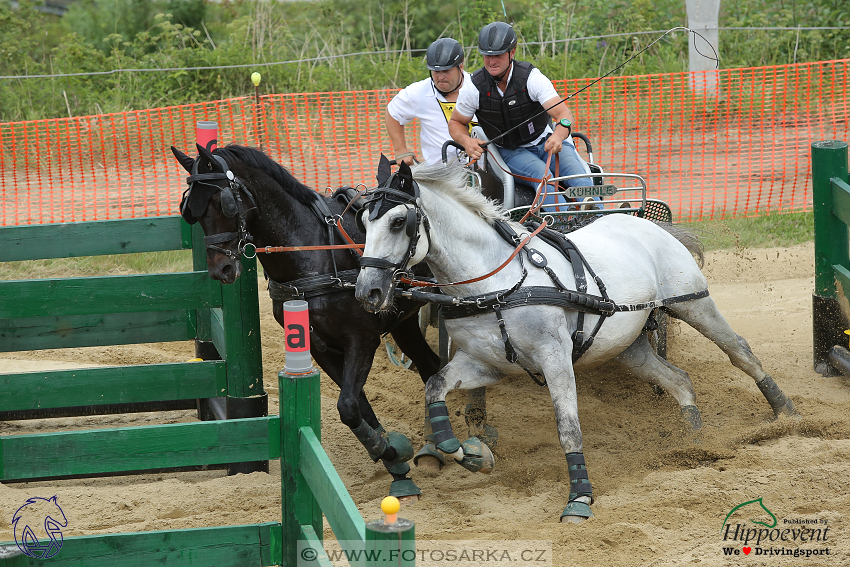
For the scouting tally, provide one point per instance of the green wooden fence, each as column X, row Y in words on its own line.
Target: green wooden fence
column 309, row 486
column 831, row 197
column 224, row 321
column 119, row 310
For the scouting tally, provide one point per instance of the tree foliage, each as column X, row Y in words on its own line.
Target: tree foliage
column 312, row 37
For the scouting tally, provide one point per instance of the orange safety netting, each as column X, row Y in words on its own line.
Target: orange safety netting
column 744, row 152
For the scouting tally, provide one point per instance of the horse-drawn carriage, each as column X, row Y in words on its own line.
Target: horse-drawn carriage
column 242, row 198
column 619, row 192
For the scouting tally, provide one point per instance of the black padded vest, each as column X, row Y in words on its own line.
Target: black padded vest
column 497, row 114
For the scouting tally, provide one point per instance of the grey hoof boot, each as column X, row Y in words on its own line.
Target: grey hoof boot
column 692, row 416
column 576, row 512
column 430, row 450
column 477, row 456
column 774, row 396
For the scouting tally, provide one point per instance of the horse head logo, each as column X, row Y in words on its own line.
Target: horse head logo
column 38, row 527
column 761, row 505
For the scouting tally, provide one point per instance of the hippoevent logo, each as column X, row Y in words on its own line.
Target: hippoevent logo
column 766, row 536
column 38, row 527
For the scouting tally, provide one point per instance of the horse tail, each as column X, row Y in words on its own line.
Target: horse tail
column 689, row 240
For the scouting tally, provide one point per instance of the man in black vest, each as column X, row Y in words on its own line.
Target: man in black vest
column 514, row 100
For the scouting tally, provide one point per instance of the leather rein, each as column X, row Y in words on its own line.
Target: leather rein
column 400, row 269
column 319, row 208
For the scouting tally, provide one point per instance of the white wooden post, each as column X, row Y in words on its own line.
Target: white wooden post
column 703, row 18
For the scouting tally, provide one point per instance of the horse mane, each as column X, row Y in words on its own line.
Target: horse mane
column 259, row 160
column 451, row 180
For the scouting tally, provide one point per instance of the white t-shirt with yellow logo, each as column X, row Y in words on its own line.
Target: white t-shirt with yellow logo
column 421, row 100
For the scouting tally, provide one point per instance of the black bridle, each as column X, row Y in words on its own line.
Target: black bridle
column 196, row 200
column 398, row 190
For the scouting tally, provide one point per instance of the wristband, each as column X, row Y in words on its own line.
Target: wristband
column 403, row 155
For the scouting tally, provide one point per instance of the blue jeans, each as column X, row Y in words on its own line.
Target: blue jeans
column 530, row 161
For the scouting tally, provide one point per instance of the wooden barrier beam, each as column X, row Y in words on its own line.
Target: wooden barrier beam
column 108, row 294
column 95, row 329
column 98, row 451
column 97, row 238
column 227, row 546
column 112, row 385
column 308, row 536
column 337, row 505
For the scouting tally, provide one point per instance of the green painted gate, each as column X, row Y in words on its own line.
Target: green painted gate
column 118, row 310
column 831, row 199
column 113, row 310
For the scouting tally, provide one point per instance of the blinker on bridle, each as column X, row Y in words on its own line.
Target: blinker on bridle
column 196, row 200
column 393, row 192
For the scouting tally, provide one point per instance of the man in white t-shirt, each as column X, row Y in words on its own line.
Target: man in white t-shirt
column 513, row 103
column 431, row 100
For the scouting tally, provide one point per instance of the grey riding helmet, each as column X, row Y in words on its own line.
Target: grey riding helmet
column 444, row 54
column 496, row 38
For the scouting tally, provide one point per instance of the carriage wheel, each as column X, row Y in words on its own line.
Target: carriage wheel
column 395, row 354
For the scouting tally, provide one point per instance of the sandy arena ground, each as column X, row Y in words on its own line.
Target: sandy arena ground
column 661, row 495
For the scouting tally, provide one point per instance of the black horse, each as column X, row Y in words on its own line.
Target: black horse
column 238, row 194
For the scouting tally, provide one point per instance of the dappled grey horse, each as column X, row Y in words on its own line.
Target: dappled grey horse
column 543, row 312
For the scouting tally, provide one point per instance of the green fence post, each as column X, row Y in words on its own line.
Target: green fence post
column 829, row 160
column 240, row 334
column 202, row 317
column 392, row 540
column 300, row 406
column 241, row 318
column 201, row 321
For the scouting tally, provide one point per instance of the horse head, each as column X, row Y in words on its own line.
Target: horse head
column 221, row 203
column 394, row 221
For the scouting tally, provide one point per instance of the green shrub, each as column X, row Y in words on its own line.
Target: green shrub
column 102, row 35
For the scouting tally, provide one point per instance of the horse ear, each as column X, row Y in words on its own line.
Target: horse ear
column 207, row 155
column 384, row 171
column 405, row 179
column 184, row 160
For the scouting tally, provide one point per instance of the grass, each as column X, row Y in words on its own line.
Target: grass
column 111, row 265
column 756, row 232
column 770, row 231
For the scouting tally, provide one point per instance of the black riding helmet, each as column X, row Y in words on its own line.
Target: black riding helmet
column 444, row 54
column 496, row 38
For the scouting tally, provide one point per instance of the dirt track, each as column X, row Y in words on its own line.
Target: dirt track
column 661, row 496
